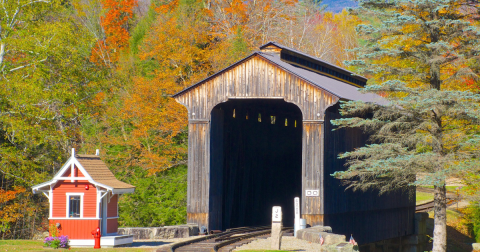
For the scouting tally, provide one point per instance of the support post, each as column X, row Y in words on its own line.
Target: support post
column 297, row 215
column 276, row 227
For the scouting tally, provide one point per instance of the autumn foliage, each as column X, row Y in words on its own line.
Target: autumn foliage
column 115, row 23
column 76, row 83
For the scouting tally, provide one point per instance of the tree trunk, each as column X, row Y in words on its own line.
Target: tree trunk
column 2, row 52
column 440, row 220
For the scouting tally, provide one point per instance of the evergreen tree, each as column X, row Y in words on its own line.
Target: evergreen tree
column 423, row 58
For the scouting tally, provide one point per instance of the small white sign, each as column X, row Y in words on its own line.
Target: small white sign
column 297, row 208
column 276, row 214
column 312, row 193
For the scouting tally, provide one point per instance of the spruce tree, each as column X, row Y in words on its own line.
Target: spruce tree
column 423, row 57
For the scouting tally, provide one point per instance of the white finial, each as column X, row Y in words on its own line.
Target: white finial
column 73, row 152
column 97, row 152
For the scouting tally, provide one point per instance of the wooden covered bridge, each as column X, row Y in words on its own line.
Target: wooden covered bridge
column 260, row 135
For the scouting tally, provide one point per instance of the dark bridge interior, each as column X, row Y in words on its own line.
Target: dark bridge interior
column 256, row 147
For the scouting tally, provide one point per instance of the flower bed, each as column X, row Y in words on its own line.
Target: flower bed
column 56, row 242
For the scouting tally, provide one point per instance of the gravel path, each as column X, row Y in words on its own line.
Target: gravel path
column 289, row 243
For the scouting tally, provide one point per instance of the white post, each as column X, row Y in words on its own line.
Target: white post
column 72, row 169
column 50, row 202
column 297, row 216
column 97, row 152
column 276, row 227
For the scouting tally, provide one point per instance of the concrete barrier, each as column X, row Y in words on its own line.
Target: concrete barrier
column 155, row 233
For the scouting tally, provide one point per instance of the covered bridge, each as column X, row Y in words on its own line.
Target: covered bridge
column 260, row 135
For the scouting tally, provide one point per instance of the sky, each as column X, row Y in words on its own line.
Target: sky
column 338, row 5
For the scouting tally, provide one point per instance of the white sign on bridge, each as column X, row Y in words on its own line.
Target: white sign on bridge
column 276, row 214
column 312, row 193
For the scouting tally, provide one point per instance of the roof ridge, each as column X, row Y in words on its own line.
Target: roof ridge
column 309, row 56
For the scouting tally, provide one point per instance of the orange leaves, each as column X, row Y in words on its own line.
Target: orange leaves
column 9, row 211
column 6, row 196
column 166, row 8
column 239, row 8
column 157, row 119
column 115, row 25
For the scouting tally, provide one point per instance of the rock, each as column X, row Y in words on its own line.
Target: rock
column 313, row 235
column 40, row 236
column 476, row 246
column 166, row 232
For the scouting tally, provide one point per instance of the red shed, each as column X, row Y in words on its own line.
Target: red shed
column 83, row 195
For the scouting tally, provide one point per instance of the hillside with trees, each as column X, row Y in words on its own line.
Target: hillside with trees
column 98, row 74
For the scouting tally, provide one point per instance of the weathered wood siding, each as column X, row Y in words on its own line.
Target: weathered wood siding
column 312, row 171
column 198, row 172
column 254, row 78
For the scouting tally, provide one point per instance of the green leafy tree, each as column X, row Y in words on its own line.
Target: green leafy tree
column 46, row 88
column 423, row 59
column 159, row 199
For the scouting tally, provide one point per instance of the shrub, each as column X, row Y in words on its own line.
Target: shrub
column 476, row 222
column 56, row 242
column 472, row 220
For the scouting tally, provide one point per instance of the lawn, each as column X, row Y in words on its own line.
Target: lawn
column 423, row 197
column 29, row 245
column 449, row 188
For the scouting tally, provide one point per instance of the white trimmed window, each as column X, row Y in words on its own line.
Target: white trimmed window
column 74, row 205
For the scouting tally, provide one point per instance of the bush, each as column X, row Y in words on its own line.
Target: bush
column 472, row 220
column 476, row 222
column 56, row 242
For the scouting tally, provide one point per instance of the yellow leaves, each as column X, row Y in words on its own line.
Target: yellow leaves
column 408, row 28
column 166, row 8
column 6, row 196
column 9, row 211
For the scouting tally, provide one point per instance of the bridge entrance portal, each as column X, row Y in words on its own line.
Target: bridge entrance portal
column 255, row 161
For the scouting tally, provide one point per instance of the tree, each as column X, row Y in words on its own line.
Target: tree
column 423, row 59
column 115, row 27
column 16, row 17
column 46, row 85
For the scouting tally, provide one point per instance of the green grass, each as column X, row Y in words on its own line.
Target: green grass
column 29, row 245
column 449, row 188
column 423, row 197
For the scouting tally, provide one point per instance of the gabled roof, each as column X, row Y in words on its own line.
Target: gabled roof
column 312, row 58
column 339, row 88
column 99, row 172
column 93, row 169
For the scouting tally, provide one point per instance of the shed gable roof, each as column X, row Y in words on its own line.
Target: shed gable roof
column 99, row 172
column 94, row 170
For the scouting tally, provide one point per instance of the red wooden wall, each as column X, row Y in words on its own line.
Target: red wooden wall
column 76, row 228
column 112, row 226
column 66, row 186
column 112, row 206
